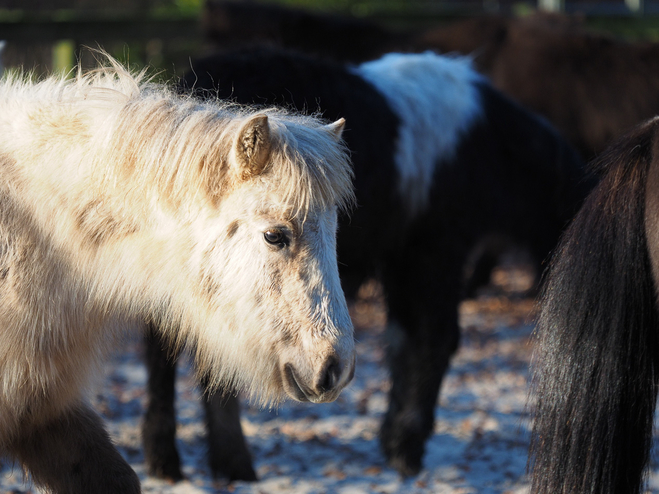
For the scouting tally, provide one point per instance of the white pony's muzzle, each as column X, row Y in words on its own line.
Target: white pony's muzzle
column 322, row 385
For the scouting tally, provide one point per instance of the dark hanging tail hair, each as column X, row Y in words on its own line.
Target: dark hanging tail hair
column 595, row 365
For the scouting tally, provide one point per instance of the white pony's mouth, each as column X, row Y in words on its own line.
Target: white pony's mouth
column 293, row 387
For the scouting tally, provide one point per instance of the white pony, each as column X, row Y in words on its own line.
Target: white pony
column 120, row 200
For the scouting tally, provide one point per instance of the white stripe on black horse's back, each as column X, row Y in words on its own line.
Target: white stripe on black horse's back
column 432, row 121
column 442, row 160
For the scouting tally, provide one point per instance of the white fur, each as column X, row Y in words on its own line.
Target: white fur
column 437, row 102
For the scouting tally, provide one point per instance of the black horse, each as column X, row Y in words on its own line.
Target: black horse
column 442, row 160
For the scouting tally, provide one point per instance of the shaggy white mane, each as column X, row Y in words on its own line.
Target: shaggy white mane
column 150, row 131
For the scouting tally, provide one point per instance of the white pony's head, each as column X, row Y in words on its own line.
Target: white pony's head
column 266, row 262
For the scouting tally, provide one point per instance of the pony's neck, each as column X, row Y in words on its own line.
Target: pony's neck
column 118, row 234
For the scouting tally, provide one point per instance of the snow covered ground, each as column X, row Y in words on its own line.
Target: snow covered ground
column 481, row 431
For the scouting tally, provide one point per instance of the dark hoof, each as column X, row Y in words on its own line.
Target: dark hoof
column 234, row 471
column 165, row 466
column 165, row 472
column 403, row 449
column 232, row 461
column 404, row 466
column 160, row 453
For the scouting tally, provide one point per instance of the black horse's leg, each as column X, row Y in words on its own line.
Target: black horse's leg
column 423, row 334
column 482, row 260
column 228, row 454
column 74, row 455
column 159, row 427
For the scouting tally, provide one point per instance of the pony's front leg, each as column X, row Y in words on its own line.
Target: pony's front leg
column 73, row 454
column 159, row 426
column 228, row 454
column 227, row 450
column 422, row 335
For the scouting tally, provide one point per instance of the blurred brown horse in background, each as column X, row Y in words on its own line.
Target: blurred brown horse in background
column 551, row 63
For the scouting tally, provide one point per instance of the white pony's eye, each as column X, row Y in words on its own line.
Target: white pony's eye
column 276, row 238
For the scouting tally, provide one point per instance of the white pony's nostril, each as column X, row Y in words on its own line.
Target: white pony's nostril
column 329, row 377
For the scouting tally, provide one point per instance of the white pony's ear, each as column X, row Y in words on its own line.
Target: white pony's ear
column 253, row 145
column 336, row 128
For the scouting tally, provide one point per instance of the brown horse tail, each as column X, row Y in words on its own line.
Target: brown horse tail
column 597, row 355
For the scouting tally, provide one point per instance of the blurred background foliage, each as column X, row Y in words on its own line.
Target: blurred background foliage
column 50, row 35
